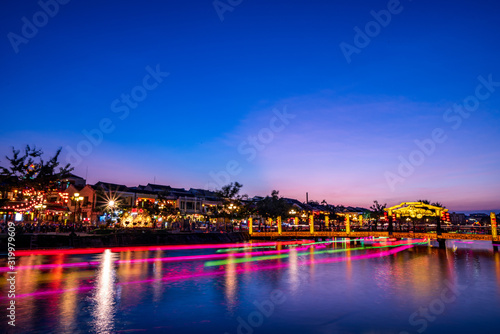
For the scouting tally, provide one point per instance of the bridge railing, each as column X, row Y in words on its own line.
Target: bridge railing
column 459, row 229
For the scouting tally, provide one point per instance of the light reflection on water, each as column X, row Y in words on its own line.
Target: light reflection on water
column 68, row 303
column 103, row 298
column 373, row 295
column 157, row 274
column 231, row 284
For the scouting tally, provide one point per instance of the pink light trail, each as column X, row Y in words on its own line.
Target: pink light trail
column 150, row 248
column 223, row 271
column 162, row 259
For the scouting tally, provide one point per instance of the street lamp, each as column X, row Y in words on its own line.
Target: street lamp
column 231, row 208
column 39, row 208
column 77, row 198
column 111, row 207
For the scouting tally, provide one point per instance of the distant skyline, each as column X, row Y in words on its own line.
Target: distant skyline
column 263, row 94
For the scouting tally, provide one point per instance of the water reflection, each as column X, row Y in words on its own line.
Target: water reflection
column 384, row 284
column 104, row 311
column 157, row 274
column 348, row 261
column 294, row 270
column 231, row 285
column 311, row 259
column 28, row 281
column 68, row 303
column 496, row 258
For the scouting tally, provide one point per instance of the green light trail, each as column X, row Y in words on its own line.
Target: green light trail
column 281, row 256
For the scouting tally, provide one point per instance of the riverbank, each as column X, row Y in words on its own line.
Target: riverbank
column 123, row 238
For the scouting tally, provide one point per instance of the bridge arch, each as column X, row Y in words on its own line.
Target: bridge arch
column 415, row 210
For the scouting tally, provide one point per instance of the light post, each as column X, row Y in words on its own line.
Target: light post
column 111, row 206
column 292, row 213
column 39, row 208
column 77, row 198
column 231, row 207
column 304, row 217
column 209, row 216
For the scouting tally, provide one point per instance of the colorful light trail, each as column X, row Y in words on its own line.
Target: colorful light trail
column 223, row 271
column 331, row 251
column 197, row 257
column 149, row 260
column 148, row 248
column 294, row 245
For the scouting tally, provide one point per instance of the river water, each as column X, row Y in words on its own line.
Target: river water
column 341, row 287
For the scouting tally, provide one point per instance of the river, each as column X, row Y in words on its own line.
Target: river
column 370, row 286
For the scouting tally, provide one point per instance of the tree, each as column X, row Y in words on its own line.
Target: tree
column 340, row 208
column 29, row 171
column 378, row 209
column 230, row 200
column 229, row 191
column 165, row 208
column 247, row 208
column 274, row 206
column 426, row 201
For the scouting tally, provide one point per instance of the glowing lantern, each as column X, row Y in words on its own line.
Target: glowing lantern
column 493, row 225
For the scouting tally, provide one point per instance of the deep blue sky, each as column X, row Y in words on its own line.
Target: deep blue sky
column 352, row 120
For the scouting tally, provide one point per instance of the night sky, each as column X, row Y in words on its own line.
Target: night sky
column 299, row 96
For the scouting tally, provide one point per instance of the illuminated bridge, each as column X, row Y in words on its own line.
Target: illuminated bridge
column 406, row 210
column 365, row 234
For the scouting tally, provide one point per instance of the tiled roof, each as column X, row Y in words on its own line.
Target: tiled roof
column 112, row 186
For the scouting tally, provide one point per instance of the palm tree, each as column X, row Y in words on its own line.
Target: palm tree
column 378, row 209
column 425, row 201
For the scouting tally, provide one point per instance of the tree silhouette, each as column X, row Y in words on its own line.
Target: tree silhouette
column 426, row 201
column 378, row 209
column 230, row 201
column 30, row 171
column 274, row 206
